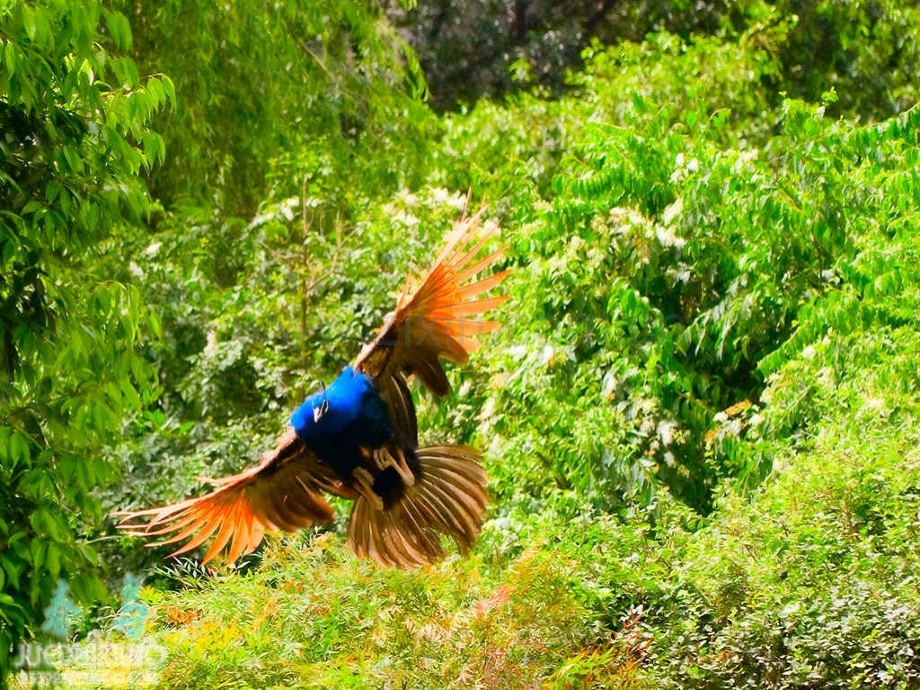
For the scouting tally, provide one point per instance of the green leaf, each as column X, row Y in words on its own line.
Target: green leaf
column 19, row 449
column 52, row 190
column 11, row 58
column 38, row 549
column 12, row 569
column 119, row 29
column 53, row 560
column 170, row 89
column 35, row 21
column 29, row 22
column 31, row 207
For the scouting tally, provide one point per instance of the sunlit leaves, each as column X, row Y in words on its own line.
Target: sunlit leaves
column 118, row 28
column 291, row 83
column 75, row 136
column 710, row 279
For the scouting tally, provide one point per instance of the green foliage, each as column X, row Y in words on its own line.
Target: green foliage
column 698, row 416
column 809, row 581
column 706, row 283
column 73, row 116
column 814, row 583
column 716, row 258
column 455, row 618
column 325, row 87
column 695, row 315
column 860, row 49
column 485, row 48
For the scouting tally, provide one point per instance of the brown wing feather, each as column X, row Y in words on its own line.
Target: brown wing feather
column 398, row 399
column 282, row 492
column 435, row 320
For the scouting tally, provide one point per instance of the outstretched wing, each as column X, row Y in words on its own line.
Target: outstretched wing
column 282, row 492
column 438, row 319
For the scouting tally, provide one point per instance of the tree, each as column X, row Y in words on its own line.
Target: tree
column 75, row 140
column 487, row 48
column 328, row 81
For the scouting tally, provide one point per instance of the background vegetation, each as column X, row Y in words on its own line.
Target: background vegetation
column 699, row 418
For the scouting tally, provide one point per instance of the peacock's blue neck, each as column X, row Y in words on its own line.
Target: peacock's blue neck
column 341, row 419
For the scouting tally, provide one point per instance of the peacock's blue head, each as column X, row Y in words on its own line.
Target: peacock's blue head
column 331, row 409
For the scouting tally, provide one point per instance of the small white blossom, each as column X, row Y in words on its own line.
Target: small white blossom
column 406, row 219
column 517, row 351
column 288, row 208
column 210, row 349
column 665, row 429
column 672, row 212
column 408, row 198
column 669, row 239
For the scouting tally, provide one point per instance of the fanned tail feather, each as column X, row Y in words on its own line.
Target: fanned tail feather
column 447, row 499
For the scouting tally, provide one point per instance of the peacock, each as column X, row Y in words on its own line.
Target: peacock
column 357, row 438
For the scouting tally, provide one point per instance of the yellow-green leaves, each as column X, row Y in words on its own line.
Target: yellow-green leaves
column 118, row 28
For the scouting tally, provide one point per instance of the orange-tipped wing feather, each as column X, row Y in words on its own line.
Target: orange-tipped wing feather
column 281, row 493
column 436, row 320
column 438, row 310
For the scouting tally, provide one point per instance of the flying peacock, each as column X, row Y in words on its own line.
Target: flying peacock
column 358, row 438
